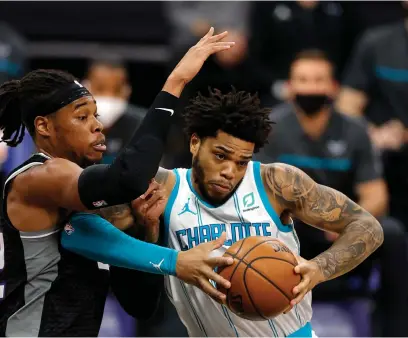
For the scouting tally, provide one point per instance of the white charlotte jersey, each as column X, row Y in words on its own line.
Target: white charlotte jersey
column 191, row 221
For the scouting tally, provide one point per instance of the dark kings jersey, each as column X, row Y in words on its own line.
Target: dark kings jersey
column 44, row 289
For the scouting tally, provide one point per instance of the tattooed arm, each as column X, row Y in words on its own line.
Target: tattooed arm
column 360, row 233
column 119, row 215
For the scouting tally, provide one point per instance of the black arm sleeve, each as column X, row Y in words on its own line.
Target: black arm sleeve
column 136, row 291
column 129, row 175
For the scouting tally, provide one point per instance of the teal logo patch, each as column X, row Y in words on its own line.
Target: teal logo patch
column 248, row 200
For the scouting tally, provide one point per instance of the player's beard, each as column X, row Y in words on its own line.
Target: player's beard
column 199, row 179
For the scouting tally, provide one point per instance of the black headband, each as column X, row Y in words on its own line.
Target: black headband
column 58, row 100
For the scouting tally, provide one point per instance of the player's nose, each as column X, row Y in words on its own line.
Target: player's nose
column 228, row 172
column 97, row 126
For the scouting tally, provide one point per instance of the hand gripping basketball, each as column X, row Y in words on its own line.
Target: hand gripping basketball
column 310, row 274
column 196, row 267
column 262, row 278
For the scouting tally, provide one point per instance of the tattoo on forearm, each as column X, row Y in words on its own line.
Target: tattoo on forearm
column 354, row 245
column 114, row 213
column 121, row 215
column 327, row 209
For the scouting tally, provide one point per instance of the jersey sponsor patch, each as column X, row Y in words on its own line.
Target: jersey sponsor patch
column 69, row 229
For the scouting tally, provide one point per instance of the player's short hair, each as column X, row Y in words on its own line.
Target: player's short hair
column 33, row 89
column 237, row 113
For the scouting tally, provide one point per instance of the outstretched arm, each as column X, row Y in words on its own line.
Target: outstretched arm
column 62, row 184
column 326, row 209
column 95, row 238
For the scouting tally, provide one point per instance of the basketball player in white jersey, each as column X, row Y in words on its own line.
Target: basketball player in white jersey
column 226, row 191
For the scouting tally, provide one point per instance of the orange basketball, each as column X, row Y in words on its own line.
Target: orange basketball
column 262, row 278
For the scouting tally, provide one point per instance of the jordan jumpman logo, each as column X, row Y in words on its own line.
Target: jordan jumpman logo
column 186, row 208
column 158, row 266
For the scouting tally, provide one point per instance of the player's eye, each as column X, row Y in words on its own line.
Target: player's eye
column 243, row 163
column 82, row 117
column 220, row 156
column 97, row 115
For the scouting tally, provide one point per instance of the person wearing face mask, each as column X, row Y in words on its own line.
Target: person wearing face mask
column 107, row 80
column 336, row 151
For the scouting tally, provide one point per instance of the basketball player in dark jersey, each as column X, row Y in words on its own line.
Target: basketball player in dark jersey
column 44, row 290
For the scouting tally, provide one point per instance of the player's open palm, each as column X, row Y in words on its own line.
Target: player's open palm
column 194, row 59
column 148, row 209
column 196, row 267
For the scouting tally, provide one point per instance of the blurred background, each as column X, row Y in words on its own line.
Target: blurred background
column 353, row 56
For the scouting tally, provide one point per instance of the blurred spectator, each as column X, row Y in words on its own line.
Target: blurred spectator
column 375, row 86
column 107, row 80
column 190, row 20
column 282, row 29
column 13, row 56
column 336, row 151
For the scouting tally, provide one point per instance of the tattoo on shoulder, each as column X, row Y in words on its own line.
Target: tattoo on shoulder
column 312, row 203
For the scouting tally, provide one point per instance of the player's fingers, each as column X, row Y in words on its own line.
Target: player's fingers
column 137, row 203
column 298, row 298
column 210, row 290
column 218, row 37
column 216, row 45
column 152, row 186
column 211, row 274
column 218, row 242
column 152, row 200
column 216, row 49
column 219, row 261
column 209, row 34
column 303, row 285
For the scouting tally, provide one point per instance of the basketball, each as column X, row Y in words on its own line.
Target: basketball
column 262, row 278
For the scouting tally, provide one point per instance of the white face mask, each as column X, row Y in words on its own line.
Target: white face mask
column 110, row 109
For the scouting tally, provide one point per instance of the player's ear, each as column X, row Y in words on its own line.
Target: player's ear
column 194, row 144
column 43, row 125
